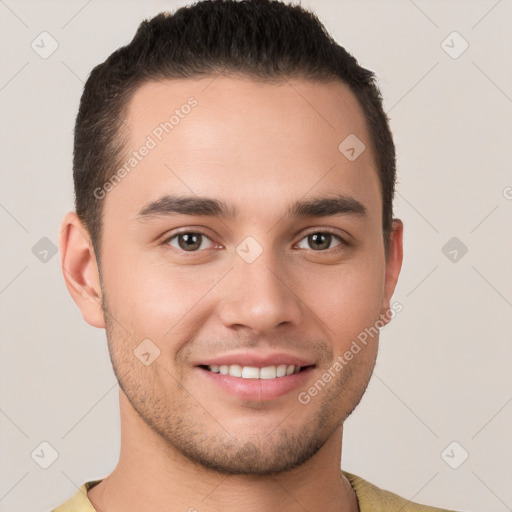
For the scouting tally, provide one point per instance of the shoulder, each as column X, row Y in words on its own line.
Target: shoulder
column 374, row 499
column 79, row 501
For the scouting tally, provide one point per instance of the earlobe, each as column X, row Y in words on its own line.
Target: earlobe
column 80, row 269
column 393, row 265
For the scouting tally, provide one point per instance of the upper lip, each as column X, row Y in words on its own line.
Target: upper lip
column 257, row 359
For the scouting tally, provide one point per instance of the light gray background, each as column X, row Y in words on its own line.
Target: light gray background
column 443, row 370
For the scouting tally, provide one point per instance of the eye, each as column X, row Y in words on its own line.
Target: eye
column 321, row 240
column 189, row 241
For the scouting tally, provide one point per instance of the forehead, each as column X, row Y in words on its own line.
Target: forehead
column 256, row 112
column 246, row 142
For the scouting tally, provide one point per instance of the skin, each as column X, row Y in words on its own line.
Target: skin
column 185, row 444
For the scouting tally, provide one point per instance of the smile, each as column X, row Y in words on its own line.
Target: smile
column 253, row 372
column 257, row 383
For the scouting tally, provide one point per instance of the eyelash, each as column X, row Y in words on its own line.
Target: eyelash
column 338, row 247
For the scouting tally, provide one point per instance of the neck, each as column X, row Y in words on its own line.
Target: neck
column 151, row 475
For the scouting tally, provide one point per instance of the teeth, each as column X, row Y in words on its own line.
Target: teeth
column 281, row 370
column 235, row 370
column 252, row 372
column 269, row 372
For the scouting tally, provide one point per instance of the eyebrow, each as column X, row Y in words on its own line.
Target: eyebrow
column 169, row 205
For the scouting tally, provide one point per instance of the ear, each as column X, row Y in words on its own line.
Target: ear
column 393, row 266
column 80, row 269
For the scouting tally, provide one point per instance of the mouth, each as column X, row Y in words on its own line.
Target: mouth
column 254, row 372
column 256, row 383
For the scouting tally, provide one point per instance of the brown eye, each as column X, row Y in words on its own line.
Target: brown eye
column 189, row 241
column 321, row 240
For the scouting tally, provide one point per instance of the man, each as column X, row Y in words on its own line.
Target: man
column 234, row 175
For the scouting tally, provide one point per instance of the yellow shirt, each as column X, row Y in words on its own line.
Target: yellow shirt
column 370, row 497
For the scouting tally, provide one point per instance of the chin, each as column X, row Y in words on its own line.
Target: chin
column 263, row 457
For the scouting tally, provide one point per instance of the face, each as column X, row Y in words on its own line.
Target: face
column 242, row 239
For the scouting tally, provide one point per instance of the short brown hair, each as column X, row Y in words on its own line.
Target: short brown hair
column 261, row 39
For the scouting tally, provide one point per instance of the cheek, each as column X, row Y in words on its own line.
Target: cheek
column 155, row 299
column 348, row 300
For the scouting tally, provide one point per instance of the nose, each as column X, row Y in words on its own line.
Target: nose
column 260, row 296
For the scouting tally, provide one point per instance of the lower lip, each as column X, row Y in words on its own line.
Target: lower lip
column 258, row 389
